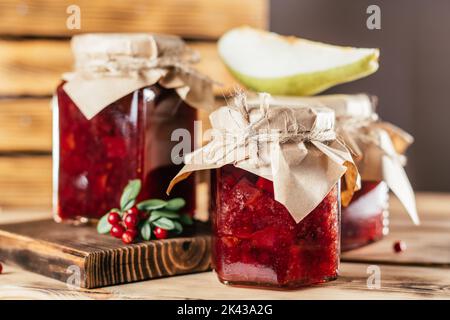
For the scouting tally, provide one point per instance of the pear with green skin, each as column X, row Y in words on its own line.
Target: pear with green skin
column 267, row 62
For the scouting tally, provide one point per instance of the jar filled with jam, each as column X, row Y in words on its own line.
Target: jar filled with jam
column 378, row 150
column 276, row 194
column 257, row 242
column 366, row 218
column 113, row 120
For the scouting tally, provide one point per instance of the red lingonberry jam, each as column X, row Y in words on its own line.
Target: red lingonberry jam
column 257, row 242
column 129, row 139
column 365, row 220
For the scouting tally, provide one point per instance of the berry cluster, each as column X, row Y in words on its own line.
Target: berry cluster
column 126, row 228
column 162, row 218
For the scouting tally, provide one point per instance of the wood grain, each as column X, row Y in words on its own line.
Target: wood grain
column 34, row 67
column 189, row 18
column 397, row 282
column 25, row 125
column 25, row 181
column 50, row 249
column 426, row 246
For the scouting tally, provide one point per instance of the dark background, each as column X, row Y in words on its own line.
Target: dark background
column 413, row 81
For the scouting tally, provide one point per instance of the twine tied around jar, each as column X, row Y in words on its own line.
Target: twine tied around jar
column 377, row 146
column 111, row 66
column 296, row 148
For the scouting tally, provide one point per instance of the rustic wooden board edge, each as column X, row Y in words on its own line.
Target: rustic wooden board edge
column 29, row 253
column 144, row 261
column 105, row 267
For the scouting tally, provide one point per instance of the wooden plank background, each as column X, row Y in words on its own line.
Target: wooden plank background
column 35, row 51
column 25, row 180
column 198, row 19
column 34, row 67
column 25, row 125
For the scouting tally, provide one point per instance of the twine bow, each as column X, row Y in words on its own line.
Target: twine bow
column 304, row 162
column 102, row 77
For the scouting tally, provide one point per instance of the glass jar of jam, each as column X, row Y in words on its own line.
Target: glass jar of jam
column 258, row 243
column 275, row 194
column 113, row 120
column 366, row 218
column 378, row 149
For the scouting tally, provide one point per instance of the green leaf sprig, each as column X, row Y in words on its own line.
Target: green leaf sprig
column 163, row 214
column 159, row 213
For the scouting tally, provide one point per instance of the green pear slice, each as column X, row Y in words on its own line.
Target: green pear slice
column 267, row 62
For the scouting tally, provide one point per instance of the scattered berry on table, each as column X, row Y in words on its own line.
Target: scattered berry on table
column 399, row 246
column 1, row 268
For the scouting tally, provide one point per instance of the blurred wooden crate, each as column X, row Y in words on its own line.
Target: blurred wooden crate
column 194, row 19
column 34, row 52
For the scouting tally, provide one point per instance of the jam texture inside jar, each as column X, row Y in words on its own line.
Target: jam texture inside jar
column 257, row 242
column 365, row 220
column 129, row 139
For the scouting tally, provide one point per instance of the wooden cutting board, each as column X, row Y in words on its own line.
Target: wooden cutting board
column 80, row 257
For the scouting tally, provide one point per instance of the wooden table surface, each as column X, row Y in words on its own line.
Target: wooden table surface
column 421, row 272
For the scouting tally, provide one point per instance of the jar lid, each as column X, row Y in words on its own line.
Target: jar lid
column 110, row 66
column 357, row 106
column 284, row 116
column 136, row 45
column 295, row 147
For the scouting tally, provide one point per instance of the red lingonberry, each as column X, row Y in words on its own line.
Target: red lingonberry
column 161, row 233
column 131, row 220
column 1, row 268
column 129, row 236
column 399, row 246
column 117, row 231
column 114, row 218
column 133, row 210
